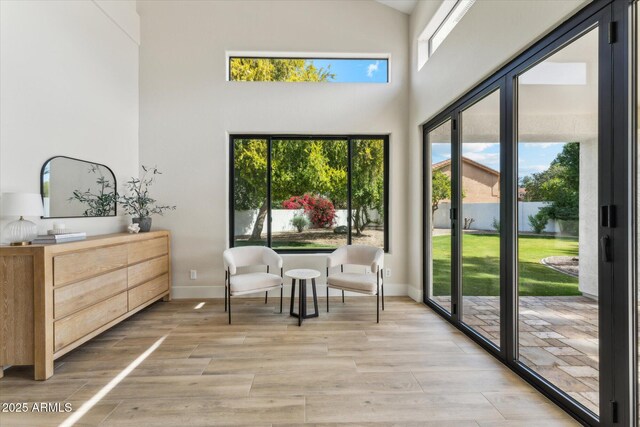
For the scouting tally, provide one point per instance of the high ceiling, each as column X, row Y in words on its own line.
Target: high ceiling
column 404, row 6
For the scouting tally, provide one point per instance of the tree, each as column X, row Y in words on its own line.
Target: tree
column 440, row 190
column 298, row 167
column 559, row 184
column 278, row 70
column 367, row 182
column 250, row 185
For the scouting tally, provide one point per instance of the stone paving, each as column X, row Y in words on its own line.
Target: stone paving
column 558, row 338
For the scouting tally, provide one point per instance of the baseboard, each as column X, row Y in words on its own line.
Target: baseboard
column 415, row 294
column 206, row 292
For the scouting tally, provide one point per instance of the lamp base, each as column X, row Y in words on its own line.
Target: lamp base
column 21, row 232
column 20, row 244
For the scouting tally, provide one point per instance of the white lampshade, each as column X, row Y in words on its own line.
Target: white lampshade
column 22, row 204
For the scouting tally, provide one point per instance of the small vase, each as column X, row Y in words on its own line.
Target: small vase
column 144, row 223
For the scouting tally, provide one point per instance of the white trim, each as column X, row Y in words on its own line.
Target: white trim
column 414, row 293
column 217, row 291
column 306, row 55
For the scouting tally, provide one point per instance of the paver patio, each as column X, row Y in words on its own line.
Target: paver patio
column 558, row 338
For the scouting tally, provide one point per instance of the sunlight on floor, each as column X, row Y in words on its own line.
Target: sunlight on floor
column 86, row 406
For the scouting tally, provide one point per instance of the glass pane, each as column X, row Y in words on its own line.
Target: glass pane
column 250, row 191
column 367, row 192
column 558, row 219
column 440, row 141
column 481, row 216
column 331, row 70
column 308, row 193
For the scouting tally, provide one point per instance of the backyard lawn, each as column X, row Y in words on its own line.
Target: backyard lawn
column 481, row 265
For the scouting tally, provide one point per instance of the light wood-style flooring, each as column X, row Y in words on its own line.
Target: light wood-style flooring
column 195, row 370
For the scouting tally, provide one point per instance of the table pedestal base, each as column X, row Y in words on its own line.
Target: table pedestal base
column 302, row 300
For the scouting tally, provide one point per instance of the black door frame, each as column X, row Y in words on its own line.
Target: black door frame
column 616, row 398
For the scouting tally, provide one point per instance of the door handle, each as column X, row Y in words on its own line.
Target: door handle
column 605, row 248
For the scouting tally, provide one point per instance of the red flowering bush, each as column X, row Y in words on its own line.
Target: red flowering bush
column 320, row 210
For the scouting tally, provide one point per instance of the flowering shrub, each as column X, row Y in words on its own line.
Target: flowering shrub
column 318, row 209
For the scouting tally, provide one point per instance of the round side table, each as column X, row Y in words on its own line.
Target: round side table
column 302, row 275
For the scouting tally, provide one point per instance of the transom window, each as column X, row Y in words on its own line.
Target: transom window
column 307, row 69
column 443, row 22
column 308, row 193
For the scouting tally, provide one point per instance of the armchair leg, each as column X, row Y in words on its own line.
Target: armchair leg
column 383, row 296
column 327, row 299
column 229, row 306
column 343, row 297
column 281, row 290
column 378, row 299
column 266, row 294
column 225, row 297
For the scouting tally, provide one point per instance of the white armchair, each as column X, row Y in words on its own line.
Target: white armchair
column 249, row 283
column 370, row 284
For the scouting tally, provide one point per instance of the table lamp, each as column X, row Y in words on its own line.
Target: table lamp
column 21, row 232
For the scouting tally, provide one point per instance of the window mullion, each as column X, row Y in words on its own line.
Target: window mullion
column 349, row 168
column 269, row 192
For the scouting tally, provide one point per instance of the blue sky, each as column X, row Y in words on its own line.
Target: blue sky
column 355, row 70
column 533, row 157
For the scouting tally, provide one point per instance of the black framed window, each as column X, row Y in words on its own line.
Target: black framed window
column 309, row 193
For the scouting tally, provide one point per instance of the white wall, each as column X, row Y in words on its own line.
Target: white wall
column 484, row 214
column 187, row 110
column 68, row 86
column 489, row 35
column 244, row 221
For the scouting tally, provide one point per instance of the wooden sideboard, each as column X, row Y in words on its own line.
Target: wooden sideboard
column 53, row 298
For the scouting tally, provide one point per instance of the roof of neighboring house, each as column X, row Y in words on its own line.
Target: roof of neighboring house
column 467, row 160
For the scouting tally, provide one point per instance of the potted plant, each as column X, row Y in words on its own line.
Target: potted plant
column 137, row 202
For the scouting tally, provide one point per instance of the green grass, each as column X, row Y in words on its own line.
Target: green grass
column 481, row 265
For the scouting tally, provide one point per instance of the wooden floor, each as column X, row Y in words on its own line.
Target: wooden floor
column 195, row 370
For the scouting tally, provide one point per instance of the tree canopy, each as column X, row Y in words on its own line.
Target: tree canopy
column 559, row 184
column 277, row 70
column 440, row 189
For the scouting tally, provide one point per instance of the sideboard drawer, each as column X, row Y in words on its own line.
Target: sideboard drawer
column 77, row 325
column 148, row 270
column 147, row 249
column 143, row 293
column 76, row 296
column 76, row 266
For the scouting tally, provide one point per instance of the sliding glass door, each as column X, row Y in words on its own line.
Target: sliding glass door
column 480, row 177
column 527, row 216
column 557, row 216
column 439, row 224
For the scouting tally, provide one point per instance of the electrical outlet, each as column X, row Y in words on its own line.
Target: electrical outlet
column 387, row 272
column 193, row 274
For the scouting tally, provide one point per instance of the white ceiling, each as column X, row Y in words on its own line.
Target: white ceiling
column 404, row 6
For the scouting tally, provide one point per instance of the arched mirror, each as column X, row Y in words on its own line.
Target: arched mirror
column 77, row 188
